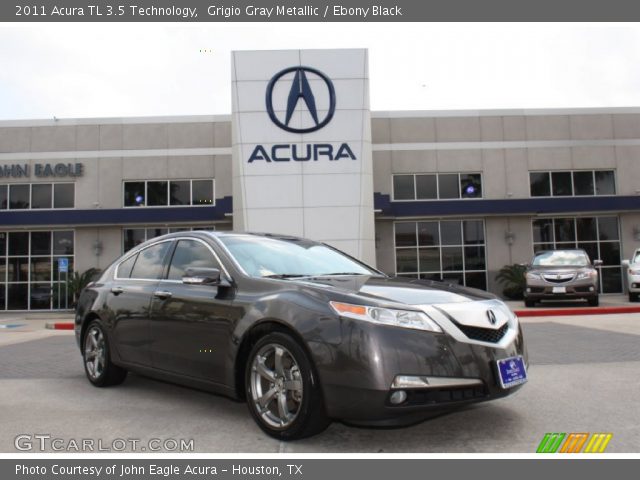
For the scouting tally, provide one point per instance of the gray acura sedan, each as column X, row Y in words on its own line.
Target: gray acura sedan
column 561, row 275
column 301, row 331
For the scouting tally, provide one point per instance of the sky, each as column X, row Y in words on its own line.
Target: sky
column 122, row 70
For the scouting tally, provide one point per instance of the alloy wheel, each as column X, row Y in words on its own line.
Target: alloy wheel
column 95, row 353
column 276, row 385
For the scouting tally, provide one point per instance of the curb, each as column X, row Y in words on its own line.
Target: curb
column 59, row 325
column 553, row 312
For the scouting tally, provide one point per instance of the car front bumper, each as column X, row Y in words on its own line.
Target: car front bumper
column 543, row 290
column 357, row 376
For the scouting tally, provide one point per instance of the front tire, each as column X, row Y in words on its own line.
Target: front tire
column 594, row 301
column 529, row 303
column 283, row 390
column 96, row 354
column 633, row 297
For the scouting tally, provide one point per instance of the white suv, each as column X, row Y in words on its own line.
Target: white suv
column 633, row 275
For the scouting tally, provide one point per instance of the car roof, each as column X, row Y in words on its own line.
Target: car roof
column 561, row 250
column 225, row 233
column 230, row 233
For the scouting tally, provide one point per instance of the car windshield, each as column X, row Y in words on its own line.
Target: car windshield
column 558, row 258
column 290, row 257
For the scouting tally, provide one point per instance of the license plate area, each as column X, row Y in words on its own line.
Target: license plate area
column 511, row 372
column 559, row 290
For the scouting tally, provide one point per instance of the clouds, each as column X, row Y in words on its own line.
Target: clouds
column 101, row 70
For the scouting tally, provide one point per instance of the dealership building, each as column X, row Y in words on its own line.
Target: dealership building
column 444, row 195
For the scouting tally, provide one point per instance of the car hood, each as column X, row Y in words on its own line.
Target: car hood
column 400, row 290
column 558, row 269
column 440, row 300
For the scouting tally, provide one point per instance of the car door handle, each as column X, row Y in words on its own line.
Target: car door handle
column 117, row 290
column 162, row 294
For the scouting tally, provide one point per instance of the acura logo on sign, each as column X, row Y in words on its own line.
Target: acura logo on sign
column 492, row 317
column 300, row 91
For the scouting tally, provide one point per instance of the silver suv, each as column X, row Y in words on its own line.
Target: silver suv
column 561, row 274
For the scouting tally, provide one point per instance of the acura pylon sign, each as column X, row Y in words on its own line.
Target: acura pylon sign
column 302, row 146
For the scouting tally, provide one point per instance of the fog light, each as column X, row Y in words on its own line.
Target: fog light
column 591, row 289
column 398, row 397
column 528, row 290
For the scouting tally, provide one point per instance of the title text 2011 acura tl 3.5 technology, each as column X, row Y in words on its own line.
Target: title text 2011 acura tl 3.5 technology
column 302, row 331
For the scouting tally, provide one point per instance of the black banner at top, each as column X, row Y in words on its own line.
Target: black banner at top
column 316, row 10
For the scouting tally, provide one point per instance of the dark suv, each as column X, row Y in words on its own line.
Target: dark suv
column 561, row 274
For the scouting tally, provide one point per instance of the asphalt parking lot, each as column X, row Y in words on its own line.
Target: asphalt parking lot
column 583, row 378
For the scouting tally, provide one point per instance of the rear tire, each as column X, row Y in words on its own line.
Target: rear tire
column 594, row 301
column 529, row 303
column 96, row 355
column 283, row 389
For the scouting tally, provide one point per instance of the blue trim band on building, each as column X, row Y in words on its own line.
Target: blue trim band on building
column 516, row 206
column 141, row 215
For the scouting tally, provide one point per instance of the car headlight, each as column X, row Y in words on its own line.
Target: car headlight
column 587, row 274
column 634, row 271
column 387, row 316
column 533, row 276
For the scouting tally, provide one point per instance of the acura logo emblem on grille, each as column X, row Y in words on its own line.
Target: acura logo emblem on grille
column 492, row 317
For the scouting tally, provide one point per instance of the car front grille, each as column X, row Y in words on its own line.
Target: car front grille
column 559, row 278
column 489, row 335
column 429, row 396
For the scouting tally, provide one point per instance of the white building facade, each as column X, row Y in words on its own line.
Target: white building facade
column 446, row 195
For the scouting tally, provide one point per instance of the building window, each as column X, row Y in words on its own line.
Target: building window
column 605, row 182
column 132, row 237
column 30, row 277
column 572, row 183
column 41, row 196
column 426, row 187
column 180, row 192
column 64, row 195
column 434, row 186
column 157, row 194
column 448, row 186
column 453, row 251
column 201, row 192
column 134, row 194
column 19, row 197
column 3, row 197
column 598, row 236
column 172, row 193
column 37, row 196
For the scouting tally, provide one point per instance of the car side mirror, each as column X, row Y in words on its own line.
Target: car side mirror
column 626, row 263
column 204, row 276
column 597, row 263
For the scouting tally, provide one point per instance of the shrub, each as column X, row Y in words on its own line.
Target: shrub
column 512, row 277
column 78, row 281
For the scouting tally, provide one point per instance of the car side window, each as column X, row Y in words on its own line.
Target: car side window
column 190, row 254
column 150, row 262
column 124, row 269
